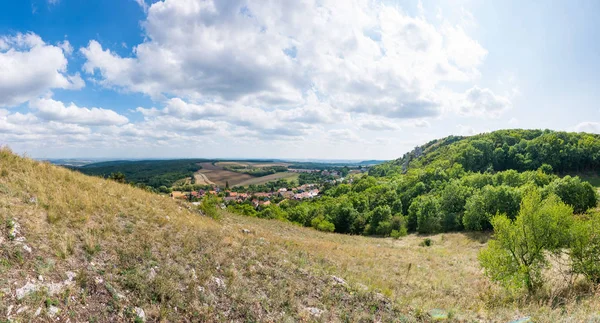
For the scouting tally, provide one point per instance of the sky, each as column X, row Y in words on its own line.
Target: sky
column 325, row 79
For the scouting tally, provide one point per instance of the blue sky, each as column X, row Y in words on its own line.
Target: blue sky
column 357, row 79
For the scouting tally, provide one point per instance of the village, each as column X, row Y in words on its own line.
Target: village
column 306, row 191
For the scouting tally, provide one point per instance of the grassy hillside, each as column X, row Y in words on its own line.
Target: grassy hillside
column 95, row 250
column 87, row 249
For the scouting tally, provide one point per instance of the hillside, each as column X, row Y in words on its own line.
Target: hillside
column 87, row 249
column 515, row 149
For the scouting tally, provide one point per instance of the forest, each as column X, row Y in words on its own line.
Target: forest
column 152, row 173
column 454, row 184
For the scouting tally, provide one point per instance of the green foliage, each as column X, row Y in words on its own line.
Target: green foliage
column 209, row 205
column 516, row 255
column 321, row 224
column 243, row 209
column 117, row 177
column 154, row 173
column 585, row 248
column 489, row 201
column 424, row 215
column 580, row 195
column 427, row 242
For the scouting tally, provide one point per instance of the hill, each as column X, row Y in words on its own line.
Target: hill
column 154, row 173
column 87, row 249
column 515, row 149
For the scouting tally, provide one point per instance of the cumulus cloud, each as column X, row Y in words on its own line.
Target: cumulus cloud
column 591, row 127
column 483, row 102
column 364, row 57
column 30, row 68
column 49, row 109
column 465, row 130
column 377, row 124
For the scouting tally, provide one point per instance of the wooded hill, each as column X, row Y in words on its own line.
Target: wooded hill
column 455, row 183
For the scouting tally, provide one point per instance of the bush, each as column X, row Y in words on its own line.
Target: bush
column 209, row 206
column 580, row 195
column 426, row 243
column 321, row 224
column 585, row 248
column 516, row 256
column 425, row 213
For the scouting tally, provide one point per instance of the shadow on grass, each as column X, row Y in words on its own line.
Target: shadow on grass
column 481, row 237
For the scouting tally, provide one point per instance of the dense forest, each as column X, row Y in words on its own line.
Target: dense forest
column 153, row 173
column 453, row 184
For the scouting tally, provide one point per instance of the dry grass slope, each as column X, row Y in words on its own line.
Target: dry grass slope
column 130, row 250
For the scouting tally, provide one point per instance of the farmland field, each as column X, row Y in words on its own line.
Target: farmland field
column 215, row 174
column 210, row 174
column 250, row 164
column 269, row 178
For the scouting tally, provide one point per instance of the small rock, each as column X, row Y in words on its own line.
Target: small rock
column 316, row 312
column 220, row 283
column 339, row 280
column 70, row 276
column 140, row 314
column 246, row 231
column 40, row 278
column 201, row 289
column 27, row 248
column 525, row 319
column 53, row 310
column 152, row 274
column 20, row 239
column 22, row 309
column 37, row 312
column 26, row 290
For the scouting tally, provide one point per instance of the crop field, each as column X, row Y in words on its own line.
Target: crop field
column 215, row 174
column 269, row 178
column 250, row 164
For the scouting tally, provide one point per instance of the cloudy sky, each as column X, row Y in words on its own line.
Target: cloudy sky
column 336, row 79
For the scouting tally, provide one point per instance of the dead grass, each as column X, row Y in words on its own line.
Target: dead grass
column 130, row 248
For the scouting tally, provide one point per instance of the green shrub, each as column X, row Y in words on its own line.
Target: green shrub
column 426, row 243
column 516, row 256
column 585, row 248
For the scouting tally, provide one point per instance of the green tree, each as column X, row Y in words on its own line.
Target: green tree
column 585, row 248
column 580, row 195
column 516, row 255
column 117, row 177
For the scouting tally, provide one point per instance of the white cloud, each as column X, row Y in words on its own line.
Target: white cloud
column 368, row 57
column 482, row 102
column 142, row 4
column 30, row 68
column 591, row 127
column 465, row 130
column 377, row 124
column 52, row 110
